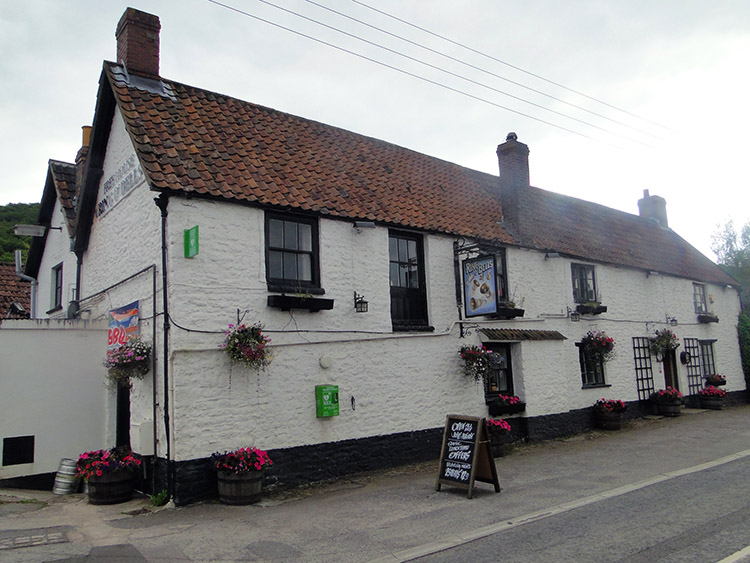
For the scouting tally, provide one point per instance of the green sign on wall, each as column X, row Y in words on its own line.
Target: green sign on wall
column 191, row 242
column 326, row 400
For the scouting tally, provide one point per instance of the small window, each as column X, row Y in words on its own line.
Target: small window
column 291, row 253
column 584, row 283
column 592, row 368
column 18, row 450
column 57, row 287
column 501, row 277
column 699, row 298
column 408, row 292
column 499, row 380
column 708, row 363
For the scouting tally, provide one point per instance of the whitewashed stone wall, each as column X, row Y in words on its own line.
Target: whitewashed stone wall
column 56, row 251
column 388, row 382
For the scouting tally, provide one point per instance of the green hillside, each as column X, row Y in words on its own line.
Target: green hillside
column 10, row 215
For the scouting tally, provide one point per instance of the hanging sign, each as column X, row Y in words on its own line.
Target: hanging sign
column 123, row 325
column 466, row 454
column 480, row 286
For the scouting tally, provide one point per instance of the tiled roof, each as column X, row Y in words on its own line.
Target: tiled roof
column 64, row 177
column 192, row 140
column 210, row 144
column 13, row 290
column 594, row 232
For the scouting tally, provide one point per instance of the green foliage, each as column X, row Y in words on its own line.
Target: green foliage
column 743, row 333
column 159, row 499
column 733, row 256
column 10, row 215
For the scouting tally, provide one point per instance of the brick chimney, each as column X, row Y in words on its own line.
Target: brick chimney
column 513, row 158
column 653, row 207
column 138, row 42
column 83, row 153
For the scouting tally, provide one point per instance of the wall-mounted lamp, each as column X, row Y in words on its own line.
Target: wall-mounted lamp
column 32, row 230
column 671, row 321
column 359, row 225
column 549, row 255
column 573, row 315
column 360, row 305
column 652, row 273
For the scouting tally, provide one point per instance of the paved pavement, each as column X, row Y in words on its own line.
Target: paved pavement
column 384, row 516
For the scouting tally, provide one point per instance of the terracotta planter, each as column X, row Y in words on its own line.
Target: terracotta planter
column 608, row 420
column 240, row 488
column 669, row 409
column 111, row 488
column 713, row 403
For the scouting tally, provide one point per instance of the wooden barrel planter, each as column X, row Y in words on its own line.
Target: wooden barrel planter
column 669, row 409
column 240, row 488
column 66, row 482
column 111, row 488
column 608, row 420
column 712, row 403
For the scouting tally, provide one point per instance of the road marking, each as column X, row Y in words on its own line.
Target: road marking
column 737, row 556
column 470, row 535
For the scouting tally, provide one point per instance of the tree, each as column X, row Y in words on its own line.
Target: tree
column 733, row 256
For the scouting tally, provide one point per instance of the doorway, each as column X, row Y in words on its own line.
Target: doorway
column 670, row 370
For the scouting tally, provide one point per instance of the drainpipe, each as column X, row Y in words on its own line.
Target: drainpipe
column 162, row 202
column 33, row 281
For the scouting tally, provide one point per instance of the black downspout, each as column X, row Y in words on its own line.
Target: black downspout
column 161, row 202
column 459, row 295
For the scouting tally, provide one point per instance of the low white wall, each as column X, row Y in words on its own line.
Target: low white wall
column 52, row 387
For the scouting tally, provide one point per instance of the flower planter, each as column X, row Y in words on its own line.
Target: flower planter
column 712, row 403
column 608, row 420
column 500, row 445
column 240, row 488
column 705, row 319
column 718, row 383
column 111, row 488
column 669, row 409
column 289, row 302
column 591, row 309
column 497, row 409
column 508, row 313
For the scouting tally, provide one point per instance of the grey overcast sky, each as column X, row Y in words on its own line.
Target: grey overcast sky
column 678, row 69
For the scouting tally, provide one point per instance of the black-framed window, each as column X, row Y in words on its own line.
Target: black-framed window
column 592, row 368
column 501, row 277
column 57, row 287
column 584, row 283
column 500, row 375
column 292, row 262
column 699, row 298
column 407, row 279
column 708, row 362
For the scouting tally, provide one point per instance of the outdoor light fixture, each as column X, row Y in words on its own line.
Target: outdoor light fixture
column 672, row 321
column 573, row 315
column 549, row 255
column 32, row 230
column 360, row 305
column 359, row 225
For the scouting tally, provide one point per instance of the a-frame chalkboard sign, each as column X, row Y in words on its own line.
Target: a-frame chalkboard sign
column 466, row 454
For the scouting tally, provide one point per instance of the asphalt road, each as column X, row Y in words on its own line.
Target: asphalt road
column 700, row 517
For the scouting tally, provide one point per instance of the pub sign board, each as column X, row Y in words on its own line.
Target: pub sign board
column 480, row 286
column 466, row 454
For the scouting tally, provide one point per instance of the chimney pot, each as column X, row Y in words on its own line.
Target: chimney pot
column 138, row 42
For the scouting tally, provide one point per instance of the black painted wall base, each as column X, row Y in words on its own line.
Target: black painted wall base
column 195, row 479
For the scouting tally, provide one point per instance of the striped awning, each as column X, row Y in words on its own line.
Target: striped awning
column 516, row 334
